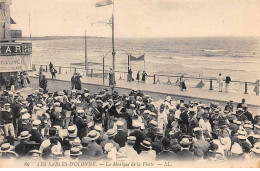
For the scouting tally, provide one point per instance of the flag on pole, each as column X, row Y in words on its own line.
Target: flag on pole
column 140, row 58
column 102, row 3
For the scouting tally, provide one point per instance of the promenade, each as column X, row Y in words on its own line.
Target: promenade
column 203, row 94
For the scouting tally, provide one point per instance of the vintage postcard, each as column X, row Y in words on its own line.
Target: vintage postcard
column 129, row 83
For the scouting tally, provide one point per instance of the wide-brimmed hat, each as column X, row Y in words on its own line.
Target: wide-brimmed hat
column 6, row 147
column 93, row 135
column 153, row 123
column 240, row 109
column 36, row 122
column 146, row 144
column 185, row 141
column 71, row 131
column 34, row 151
column 111, row 132
column 24, row 135
column 256, row 148
column 26, row 116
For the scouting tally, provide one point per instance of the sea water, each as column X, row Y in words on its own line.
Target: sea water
column 237, row 57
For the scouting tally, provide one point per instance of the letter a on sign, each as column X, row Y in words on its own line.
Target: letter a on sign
column 8, row 50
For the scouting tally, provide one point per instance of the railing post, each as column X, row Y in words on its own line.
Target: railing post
column 75, row 70
column 46, row 68
column 154, row 81
column 59, row 70
column 91, row 74
column 210, row 85
column 245, row 88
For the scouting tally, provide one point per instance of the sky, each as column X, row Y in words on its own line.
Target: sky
column 138, row 18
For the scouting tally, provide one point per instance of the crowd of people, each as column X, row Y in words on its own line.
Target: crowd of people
column 73, row 125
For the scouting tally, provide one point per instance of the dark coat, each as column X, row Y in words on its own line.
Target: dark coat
column 24, row 147
column 121, row 138
column 96, row 150
column 86, row 154
column 81, row 125
column 7, row 116
column 24, row 127
column 140, row 136
column 185, row 155
column 157, row 146
column 35, row 136
column 166, row 155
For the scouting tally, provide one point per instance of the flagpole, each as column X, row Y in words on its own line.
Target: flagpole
column 30, row 27
column 113, row 44
column 86, row 57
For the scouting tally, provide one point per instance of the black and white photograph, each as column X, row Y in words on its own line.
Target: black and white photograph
column 129, row 83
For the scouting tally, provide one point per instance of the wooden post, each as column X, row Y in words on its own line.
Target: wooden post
column 210, row 85
column 154, row 81
column 59, row 70
column 246, row 88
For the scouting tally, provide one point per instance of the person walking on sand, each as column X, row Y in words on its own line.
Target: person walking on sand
column 227, row 81
column 138, row 76
column 220, row 82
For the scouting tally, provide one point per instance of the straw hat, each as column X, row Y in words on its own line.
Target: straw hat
column 146, row 144
column 98, row 128
column 34, row 151
column 80, row 111
column 153, row 123
column 36, row 122
column 185, row 141
column 93, row 135
column 256, row 148
column 111, row 132
column 26, row 116
column 6, row 147
column 24, row 135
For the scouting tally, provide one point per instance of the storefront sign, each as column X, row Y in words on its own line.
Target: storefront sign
column 15, row 63
column 15, row 49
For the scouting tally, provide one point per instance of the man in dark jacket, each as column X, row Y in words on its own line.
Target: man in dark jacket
column 166, row 154
column 25, row 125
column 35, row 134
column 140, row 136
column 25, row 145
column 185, row 154
column 81, row 124
column 121, row 136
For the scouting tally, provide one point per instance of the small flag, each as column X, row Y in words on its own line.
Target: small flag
column 200, row 84
column 102, row 3
column 140, row 58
